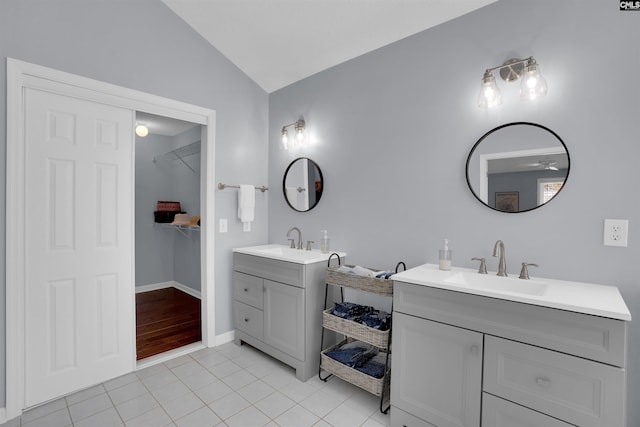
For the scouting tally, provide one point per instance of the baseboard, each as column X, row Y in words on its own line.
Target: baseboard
column 3, row 415
column 172, row 284
column 224, row 338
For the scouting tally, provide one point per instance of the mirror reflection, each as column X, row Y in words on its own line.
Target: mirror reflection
column 517, row 167
column 302, row 184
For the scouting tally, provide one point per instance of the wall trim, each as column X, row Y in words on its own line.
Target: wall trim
column 170, row 284
column 225, row 337
column 21, row 75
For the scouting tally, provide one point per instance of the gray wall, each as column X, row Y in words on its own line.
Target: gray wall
column 393, row 129
column 143, row 45
column 166, row 254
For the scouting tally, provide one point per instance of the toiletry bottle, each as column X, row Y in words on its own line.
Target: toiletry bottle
column 324, row 241
column 445, row 256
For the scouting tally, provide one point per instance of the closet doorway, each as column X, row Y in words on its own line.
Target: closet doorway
column 167, row 248
column 21, row 77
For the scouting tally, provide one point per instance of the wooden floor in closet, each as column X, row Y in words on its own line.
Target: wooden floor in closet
column 166, row 319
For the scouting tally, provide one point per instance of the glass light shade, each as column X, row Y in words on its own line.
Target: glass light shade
column 533, row 85
column 490, row 95
column 142, row 131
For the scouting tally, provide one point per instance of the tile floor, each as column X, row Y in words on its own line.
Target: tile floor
column 230, row 385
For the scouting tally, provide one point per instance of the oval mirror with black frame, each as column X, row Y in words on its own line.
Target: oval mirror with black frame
column 517, row 167
column 302, row 184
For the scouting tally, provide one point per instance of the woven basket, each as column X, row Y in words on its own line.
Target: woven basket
column 355, row 377
column 369, row 284
column 356, row 330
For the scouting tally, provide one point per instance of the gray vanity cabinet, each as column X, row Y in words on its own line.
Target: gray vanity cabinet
column 463, row 360
column 277, row 308
column 452, row 397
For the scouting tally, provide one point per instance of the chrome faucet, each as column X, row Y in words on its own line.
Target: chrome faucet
column 299, row 236
column 502, row 264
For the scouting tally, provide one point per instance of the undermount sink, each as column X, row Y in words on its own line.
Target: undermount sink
column 285, row 253
column 497, row 283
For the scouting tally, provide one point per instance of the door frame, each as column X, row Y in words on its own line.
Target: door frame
column 21, row 75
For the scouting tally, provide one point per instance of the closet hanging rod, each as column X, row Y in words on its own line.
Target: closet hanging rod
column 222, row 186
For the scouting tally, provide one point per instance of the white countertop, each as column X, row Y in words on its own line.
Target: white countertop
column 285, row 253
column 587, row 298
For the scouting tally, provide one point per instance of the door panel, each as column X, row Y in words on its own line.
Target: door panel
column 79, row 244
column 284, row 318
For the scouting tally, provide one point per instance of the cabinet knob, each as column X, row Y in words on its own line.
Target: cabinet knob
column 246, row 290
column 543, row 382
column 246, row 320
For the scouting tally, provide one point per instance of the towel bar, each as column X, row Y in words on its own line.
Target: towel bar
column 222, row 186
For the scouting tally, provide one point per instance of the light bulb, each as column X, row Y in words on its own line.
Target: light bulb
column 490, row 95
column 533, row 84
column 142, row 131
column 285, row 139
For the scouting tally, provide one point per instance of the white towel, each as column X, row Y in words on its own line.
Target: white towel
column 246, row 202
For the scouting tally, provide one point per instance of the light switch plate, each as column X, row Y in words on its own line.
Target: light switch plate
column 246, row 226
column 223, row 225
column 616, row 232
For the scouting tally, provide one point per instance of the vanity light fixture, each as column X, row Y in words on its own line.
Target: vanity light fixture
column 141, row 130
column 299, row 127
column 532, row 86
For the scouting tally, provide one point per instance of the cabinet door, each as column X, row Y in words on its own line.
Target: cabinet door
column 284, row 318
column 437, row 371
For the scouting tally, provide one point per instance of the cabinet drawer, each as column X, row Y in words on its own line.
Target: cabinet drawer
column 399, row 418
column 248, row 289
column 498, row 412
column 279, row 271
column 591, row 337
column 575, row 390
column 248, row 319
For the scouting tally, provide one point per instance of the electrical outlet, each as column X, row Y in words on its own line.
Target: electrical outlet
column 616, row 232
column 223, row 225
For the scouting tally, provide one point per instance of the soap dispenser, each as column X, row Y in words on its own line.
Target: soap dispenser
column 324, row 241
column 445, row 256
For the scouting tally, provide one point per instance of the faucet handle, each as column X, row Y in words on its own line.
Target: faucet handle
column 293, row 245
column 524, row 273
column 483, row 265
column 309, row 242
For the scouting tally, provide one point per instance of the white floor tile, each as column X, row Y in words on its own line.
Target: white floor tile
column 275, row 404
column 107, row 418
column 249, row 417
column 89, row 407
column 85, row 394
column 127, row 392
column 203, row 417
column 239, row 379
column 321, row 403
column 298, row 417
column 46, row 409
column 241, row 386
column 136, row 406
column 256, row 391
column 229, row 405
column 154, row 418
column 59, row 418
column 346, row 416
column 213, row 392
column 183, row 405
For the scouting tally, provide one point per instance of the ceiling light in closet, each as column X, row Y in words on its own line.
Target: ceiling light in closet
column 142, row 130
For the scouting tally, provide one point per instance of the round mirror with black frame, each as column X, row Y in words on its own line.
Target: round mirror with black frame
column 302, row 184
column 517, row 167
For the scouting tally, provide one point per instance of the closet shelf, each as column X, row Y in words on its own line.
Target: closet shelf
column 181, row 228
column 180, row 154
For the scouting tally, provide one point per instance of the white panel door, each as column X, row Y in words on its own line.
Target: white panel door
column 79, row 244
